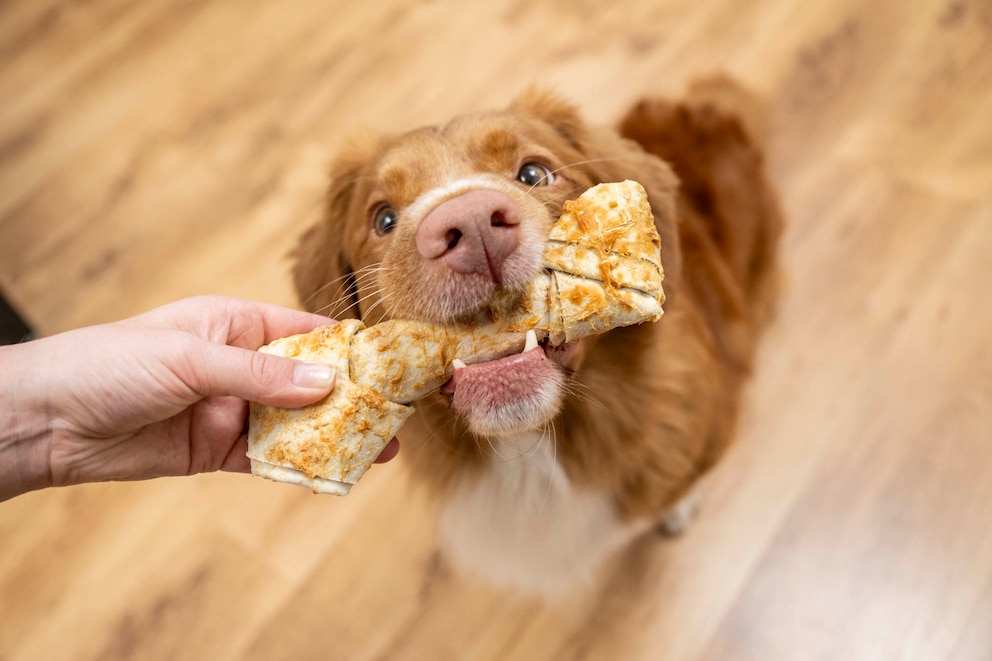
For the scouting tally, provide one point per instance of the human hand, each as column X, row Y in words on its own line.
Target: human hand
column 163, row 393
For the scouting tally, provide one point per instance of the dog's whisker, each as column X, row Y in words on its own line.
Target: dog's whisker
column 570, row 194
column 336, row 305
column 391, row 309
column 477, row 440
column 496, row 452
column 368, row 278
column 377, row 292
column 552, row 434
column 385, row 300
column 441, row 433
column 536, row 446
column 382, row 311
column 508, row 458
column 368, row 272
column 587, row 395
column 325, row 286
column 589, row 161
column 356, row 277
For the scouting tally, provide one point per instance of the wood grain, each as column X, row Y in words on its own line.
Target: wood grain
column 154, row 150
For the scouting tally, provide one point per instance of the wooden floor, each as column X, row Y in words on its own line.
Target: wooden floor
column 151, row 150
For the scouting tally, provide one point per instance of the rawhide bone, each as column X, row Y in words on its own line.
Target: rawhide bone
column 602, row 270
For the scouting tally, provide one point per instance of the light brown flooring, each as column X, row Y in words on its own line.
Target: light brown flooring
column 151, row 150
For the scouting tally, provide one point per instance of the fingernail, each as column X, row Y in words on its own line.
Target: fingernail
column 313, row 375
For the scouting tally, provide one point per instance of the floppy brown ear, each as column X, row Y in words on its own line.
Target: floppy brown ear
column 554, row 110
column 322, row 272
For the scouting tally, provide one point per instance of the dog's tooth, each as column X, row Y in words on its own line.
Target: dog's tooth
column 458, row 365
column 530, row 342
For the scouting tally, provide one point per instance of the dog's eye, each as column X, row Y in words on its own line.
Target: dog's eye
column 534, row 174
column 384, row 220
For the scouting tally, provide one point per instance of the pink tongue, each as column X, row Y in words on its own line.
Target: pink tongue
column 500, row 381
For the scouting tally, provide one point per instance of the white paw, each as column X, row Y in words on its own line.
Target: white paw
column 681, row 515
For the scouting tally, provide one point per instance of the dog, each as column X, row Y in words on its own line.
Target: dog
column 545, row 468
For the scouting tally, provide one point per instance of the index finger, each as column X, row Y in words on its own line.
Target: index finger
column 237, row 322
column 274, row 321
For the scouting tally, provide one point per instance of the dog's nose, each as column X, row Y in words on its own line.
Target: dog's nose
column 472, row 233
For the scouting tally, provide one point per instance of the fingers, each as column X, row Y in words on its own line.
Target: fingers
column 233, row 321
column 257, row 377
column 280, row 322
column 237, row 460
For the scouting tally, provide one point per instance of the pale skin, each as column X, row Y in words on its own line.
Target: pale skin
column 161, row 394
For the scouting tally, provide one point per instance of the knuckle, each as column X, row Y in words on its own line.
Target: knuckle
column 266, row 369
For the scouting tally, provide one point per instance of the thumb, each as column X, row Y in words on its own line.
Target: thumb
column 262, row 378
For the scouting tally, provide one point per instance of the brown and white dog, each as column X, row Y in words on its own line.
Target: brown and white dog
column 548, row 461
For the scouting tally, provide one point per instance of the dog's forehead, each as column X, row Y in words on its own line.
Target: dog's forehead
column 481, row 142
column 493, row 133
column 413, row 160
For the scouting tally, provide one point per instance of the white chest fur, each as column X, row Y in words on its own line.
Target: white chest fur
column 521, row 524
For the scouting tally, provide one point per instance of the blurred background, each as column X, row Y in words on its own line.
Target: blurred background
column 158, row 149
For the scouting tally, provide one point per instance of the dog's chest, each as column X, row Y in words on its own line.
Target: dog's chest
column 522, row 524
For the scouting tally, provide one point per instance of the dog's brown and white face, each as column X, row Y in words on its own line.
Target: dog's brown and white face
column 432, row 224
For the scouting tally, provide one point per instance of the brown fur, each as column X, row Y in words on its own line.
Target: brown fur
column 651, row 407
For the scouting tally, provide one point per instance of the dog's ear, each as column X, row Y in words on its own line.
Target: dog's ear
column 322, row 272
column 559, row 113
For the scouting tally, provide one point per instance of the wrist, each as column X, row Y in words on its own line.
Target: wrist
column 25, row 425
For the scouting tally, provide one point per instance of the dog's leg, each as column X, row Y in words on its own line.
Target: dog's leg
column 674, row 523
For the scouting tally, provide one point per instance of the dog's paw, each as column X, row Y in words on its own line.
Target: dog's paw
column 680, row 516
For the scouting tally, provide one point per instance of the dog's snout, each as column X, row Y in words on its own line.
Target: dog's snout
column 472, row 233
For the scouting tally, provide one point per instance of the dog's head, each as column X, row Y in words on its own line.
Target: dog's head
column 430, row 225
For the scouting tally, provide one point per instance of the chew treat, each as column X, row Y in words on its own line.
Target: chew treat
column 602, row 270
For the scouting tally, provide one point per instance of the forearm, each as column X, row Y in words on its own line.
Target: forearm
column 25, row 425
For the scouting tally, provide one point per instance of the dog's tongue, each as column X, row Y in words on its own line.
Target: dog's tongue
column 498, row 382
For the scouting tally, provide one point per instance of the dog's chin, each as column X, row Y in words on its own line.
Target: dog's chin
column 508, row 396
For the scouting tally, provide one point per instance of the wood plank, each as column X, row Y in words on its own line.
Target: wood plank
column 161, row 149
